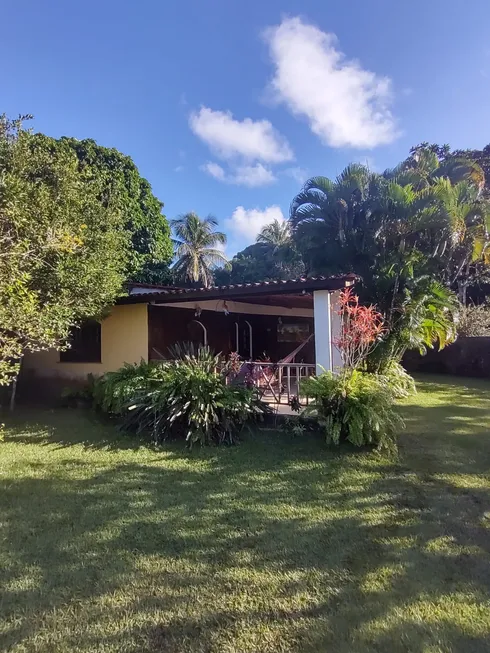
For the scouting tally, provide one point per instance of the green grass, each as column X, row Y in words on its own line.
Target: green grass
column 278, row 544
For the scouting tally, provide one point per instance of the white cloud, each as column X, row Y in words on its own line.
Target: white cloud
column 247, row 139
column 248, row 175
column 253, row 176
column 246, row 223
column 179, row 169
column 214, row 170
column 299, row 175
column 345, row 105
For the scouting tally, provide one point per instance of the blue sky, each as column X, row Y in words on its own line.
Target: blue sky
column 226, row 106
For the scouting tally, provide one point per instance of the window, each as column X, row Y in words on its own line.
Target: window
column 84, row 344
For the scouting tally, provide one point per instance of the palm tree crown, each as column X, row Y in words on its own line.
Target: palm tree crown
column 276, row 234
column 412, row 234
column 196, row 248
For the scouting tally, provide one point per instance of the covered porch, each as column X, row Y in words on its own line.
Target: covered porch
column 282, row 331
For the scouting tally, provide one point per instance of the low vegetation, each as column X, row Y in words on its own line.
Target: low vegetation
column 353, row 404
column 277, row 545
column 356, row 407
column 186, row 398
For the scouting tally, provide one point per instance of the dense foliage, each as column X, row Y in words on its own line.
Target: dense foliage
column 474, row 321
column 356, row 407
column 272, row 257
column 399, row 381
column 353, row 404
column 114, row 391
column 121, row 187
column 361, row 329
column 77, row 221
column 63, row 254
column 446, row 156
column 261, row 262
column 197, row 249
column 186, row 398
column 408, row 233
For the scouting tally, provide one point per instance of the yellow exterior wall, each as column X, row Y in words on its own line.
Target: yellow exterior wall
column 124, row 339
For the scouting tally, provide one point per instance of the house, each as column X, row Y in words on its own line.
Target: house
column 266, row 320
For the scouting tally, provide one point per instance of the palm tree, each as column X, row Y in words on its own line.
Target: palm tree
column 196, row 248
column 423, row 167
column 401, row 232
column 276, row 234
column 275, row 238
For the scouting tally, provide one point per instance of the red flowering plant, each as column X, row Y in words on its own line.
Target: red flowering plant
column 362, row 329
column 354, row 405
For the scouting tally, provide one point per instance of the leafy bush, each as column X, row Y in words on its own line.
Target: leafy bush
column 197, row 356
column 354, row 406
column 398, row 380
column 113, row 391
column 293, row 425
column 474, row 321
column 186, row 398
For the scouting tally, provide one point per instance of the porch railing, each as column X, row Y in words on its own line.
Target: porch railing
column 277, row 383
column 281, row 382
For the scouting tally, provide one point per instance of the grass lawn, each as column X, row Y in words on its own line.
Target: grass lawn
column 278, row 544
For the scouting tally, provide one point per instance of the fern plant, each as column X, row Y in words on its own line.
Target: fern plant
column 398, row 380
column 354, row 406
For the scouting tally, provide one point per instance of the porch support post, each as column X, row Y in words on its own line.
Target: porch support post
column 323, row 331
column 336, row 330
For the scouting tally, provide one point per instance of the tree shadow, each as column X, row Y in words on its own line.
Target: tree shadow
column 277, row 544
column 66, row 427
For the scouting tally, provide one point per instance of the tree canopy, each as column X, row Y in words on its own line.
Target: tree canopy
column 273, row 256
column 409, row 233
column 66, row 244
column 120, row 184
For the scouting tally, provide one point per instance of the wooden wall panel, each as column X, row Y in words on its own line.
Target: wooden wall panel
column 168, row 325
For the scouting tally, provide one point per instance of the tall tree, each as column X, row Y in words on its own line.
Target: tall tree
column 63, row 252
column 403, row 232
column 273, row 256
column 276, row 233
column 120, row 184
column 261, row 262
column 196, row 248
column 445, row 156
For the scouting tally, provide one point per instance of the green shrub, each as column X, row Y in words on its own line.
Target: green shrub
column 294, row 425
column 474, row 320
column 193, row 403
column 113, row 391
column 187, row 397
column 200, row 356
column 354, row 406
column 398, row 380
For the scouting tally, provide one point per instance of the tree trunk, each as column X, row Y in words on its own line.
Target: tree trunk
column 463, row 286
column 14, row 389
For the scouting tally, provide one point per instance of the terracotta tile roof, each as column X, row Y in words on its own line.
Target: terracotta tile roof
column 291, row 286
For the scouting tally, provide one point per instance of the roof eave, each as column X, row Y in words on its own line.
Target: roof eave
column 237, row 291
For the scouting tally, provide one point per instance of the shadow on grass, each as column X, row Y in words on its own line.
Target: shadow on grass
column 67, row 427
column 275, row 545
